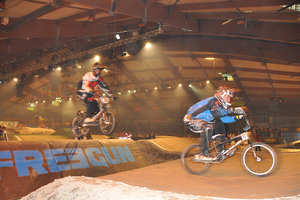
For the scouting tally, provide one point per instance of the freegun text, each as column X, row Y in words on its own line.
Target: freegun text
column 64, row 159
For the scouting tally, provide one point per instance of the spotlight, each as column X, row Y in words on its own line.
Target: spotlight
column 190, row 85
column 4, row 20
column 155, row 88
column 97, row 58
column 124, row 54
column 148, row 45
column 15, row 79
column 58, row 68
column 207, row 82
column 179, row 85
column 118, row 36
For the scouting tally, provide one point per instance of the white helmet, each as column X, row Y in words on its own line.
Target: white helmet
column 220, row 94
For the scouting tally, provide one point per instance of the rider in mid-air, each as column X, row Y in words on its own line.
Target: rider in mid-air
column 89, row 82
column 212, row 113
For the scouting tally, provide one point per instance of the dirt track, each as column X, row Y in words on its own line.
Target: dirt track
column 227, row 180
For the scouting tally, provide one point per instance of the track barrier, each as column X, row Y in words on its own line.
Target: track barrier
column 27, row 165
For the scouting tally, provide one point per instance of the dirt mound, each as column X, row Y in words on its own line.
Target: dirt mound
column 29, row 130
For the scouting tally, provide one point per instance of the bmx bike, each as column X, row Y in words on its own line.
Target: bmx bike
column 104, row 119
column 257, row 158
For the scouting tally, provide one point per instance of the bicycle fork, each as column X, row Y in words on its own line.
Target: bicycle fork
column 254, row 153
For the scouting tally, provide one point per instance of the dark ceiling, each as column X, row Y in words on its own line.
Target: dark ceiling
column 252, row 45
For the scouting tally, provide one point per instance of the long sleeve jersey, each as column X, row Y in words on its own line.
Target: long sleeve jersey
column 210, row 109
column 89, row 82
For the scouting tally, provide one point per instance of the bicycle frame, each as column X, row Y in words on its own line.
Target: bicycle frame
column 256, row 163
column 239, row 138
column 102, row 107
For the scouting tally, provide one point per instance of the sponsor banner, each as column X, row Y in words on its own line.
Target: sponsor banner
column 25, row 166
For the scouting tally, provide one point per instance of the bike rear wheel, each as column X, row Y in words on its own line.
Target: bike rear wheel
column 187, row 159
column 259, row 159
column 107, row 123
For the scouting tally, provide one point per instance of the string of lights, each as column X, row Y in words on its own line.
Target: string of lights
column 57, row 101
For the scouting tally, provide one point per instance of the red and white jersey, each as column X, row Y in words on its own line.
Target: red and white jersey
column 90, row 81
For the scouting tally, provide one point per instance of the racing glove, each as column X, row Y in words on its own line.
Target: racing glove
column 238, row 110
column 238, row 117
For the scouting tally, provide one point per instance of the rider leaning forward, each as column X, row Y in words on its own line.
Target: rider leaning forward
column 90, row 81
column 212, row 113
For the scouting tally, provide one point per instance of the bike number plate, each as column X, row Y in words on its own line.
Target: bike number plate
column 245, row 136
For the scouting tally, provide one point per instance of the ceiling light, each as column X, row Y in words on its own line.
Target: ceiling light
column 148, row 45
column 4, row 20
column 179, row 85
column 97, row 58
column 92, row 17
column 155, row 88
column 207, row 81
column 209, row 58
column 118, row 36
column 15, row 79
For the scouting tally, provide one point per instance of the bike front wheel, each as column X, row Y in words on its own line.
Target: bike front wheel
column 107, row 123
column 187, row 160
column 85, row 133
column 259, row 159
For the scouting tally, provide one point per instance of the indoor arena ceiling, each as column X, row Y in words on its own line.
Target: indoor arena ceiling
column 253, row 45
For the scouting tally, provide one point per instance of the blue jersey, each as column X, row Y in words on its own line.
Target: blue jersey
column 210, row 109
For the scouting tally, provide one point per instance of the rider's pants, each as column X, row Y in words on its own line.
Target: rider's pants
column 218, row 128
column 92, row 108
